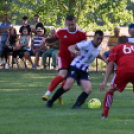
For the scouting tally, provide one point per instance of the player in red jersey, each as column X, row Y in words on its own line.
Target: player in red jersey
column 68, row 35
column 123, row 56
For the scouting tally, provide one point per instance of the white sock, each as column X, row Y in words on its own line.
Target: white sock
column 47, row 92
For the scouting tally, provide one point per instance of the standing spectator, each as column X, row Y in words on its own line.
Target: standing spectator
column 36, row 48
column 25, row 24
column 4, row 29
column 37, row 24
column 68, row 35
column 131, row 34
column 24, row 45
column 112, row 42
column 52, row 51
column 11, row 45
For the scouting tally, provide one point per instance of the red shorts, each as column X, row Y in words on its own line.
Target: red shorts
column 63, row 62
column 121, row 79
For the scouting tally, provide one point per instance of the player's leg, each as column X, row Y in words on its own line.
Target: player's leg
column 108, row 101
column 68, row 84
column 87, row 89
column 119, row 83
column 63, row 66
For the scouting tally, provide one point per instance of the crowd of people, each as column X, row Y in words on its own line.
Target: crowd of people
column 25, row 44
column 74, row 53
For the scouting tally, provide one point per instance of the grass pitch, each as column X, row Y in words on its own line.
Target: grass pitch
column 23, row 112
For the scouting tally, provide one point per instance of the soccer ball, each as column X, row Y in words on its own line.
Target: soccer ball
column 94, row 103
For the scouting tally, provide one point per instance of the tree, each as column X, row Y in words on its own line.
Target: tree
column 90, row 14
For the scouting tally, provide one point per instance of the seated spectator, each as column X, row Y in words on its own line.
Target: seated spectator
column 24, row 45
column 4, row 30
column 112, row 42
column 36, row 48
column 52, row 51
column 25, row 24
column 11, row 45
column 131, row 34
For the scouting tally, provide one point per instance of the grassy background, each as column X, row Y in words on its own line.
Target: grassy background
column 23, row 112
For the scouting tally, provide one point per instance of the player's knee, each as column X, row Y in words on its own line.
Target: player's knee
column 88, row 90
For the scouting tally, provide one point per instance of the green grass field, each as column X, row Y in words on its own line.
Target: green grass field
column 23, row 112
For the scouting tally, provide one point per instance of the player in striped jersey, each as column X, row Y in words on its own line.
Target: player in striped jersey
column 68, row 36
column 86, row 52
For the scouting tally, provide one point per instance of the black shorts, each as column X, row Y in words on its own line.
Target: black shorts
column 78, row 74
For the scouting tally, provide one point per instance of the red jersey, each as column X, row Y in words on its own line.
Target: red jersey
column 67, row 39
column 123, row 56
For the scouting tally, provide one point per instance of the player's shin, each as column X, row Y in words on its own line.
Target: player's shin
column 107, row 102
column 80, row 100
column 57, row 94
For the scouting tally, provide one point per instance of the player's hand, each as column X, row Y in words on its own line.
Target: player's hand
column 77, row 53
column 102, row 86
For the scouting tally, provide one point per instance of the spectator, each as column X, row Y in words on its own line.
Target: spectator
column 36, row 48
column 37, row 24
column 24, row 45
column 52, row 51
column 4, row 29
column 11, row 44
column 25, row 24
column 131, row 34
column 112, row 42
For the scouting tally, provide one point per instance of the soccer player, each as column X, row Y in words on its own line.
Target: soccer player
column 123, row 56
column 68, row 35
column 85, row 52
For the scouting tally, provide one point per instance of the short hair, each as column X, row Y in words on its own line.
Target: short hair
column 131, row 26
column 70, row 18
column 98, row 32
column 42, row 26
column 123, row 39
column 25, row 18
column 36, row 15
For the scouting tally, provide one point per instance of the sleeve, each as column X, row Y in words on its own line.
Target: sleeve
column 82, row 45
column 29, row 28
column 57, row 34
column 113, row 54
column 11, row 25
column 84, row 36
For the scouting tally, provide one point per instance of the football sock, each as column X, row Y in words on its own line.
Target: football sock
column 47, row 93
column 62, row 84
column 81, row 99
column 57, row 94
column 107, row 102
column 55, row 82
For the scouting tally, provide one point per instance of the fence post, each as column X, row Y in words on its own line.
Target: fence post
column 96, row 64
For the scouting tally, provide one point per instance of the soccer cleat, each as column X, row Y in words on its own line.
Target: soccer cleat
column 76, row 106
column 49, row 104
column 103, row 116
column 60, row 101
column 45, row 97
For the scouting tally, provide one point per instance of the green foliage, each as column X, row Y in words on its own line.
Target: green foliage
column 90, row 14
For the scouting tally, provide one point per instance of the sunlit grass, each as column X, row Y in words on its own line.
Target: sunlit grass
column 23, row 112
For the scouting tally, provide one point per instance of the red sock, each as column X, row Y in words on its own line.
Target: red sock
column 107, row 102
column 62, row 84
column 55, row 82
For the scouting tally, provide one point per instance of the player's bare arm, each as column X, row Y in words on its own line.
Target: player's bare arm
column 74, row 50
column 108, row 72
column 111, row 44
column 102, row 58
column 50, row 41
